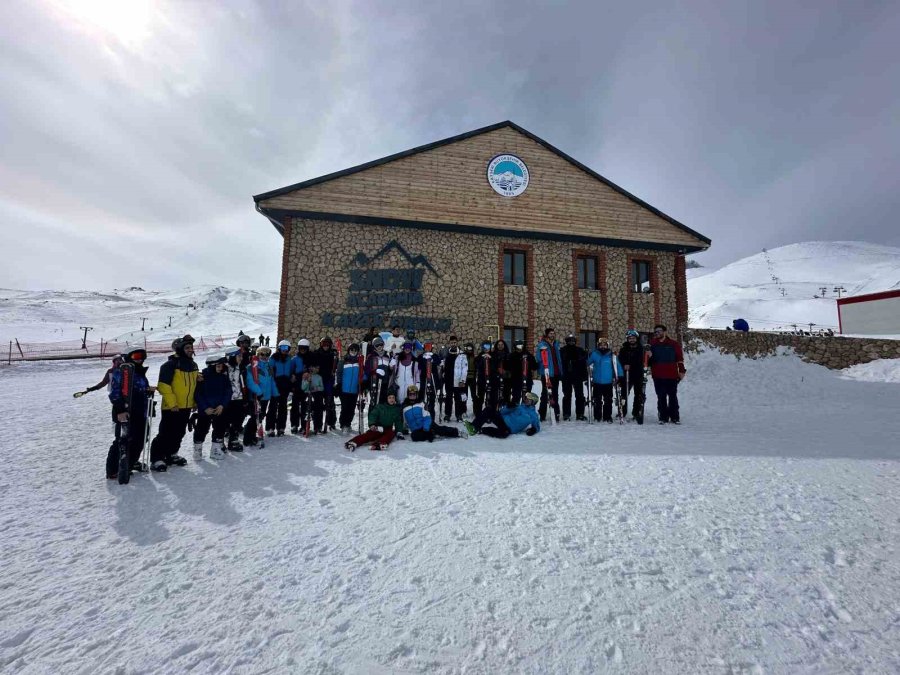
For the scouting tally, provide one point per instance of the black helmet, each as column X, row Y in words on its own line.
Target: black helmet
column 135, row 355
column 354, row 347
column 519, row 344
column 570, row 339
column 377, row 342
column 243, row 340
column 325, row 341
column 470, row 347
column 178, row 344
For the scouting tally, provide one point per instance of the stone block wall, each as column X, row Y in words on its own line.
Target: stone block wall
column 467, row 288
column 832, row 352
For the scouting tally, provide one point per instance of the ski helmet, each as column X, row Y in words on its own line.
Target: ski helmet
column 486, row 346
column 232, row 353
column 216, row 359
column 410, row 333
column 603, row 341
column 519, row 345
column 408, row 345
column 412, row 390
column 117, row 360
column 284, row 346
column 178, row 344
column 631, row 332
column 325, row 341
column 136, row 355
column 470, row 347
column 570, row 339
column 243, row 340
column 264, row 351
column 377, row 342
column 531, row 398
column 255, row 344
column 302, row 342
column 354, row 347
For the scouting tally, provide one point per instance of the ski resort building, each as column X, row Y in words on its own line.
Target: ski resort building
column 870, row 314
column 492, row 232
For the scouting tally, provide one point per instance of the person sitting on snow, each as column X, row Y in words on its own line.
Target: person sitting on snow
column 385, row 424
column 418, row 419
column 508, row 420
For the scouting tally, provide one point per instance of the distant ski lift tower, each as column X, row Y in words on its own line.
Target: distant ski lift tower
column 839, row 290
column 143, row 320
column 84, row 339
column 823, row 290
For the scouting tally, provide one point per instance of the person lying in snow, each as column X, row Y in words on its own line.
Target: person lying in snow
column 508, row 420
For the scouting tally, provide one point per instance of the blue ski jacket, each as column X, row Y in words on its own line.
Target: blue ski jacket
column 214, row 390
column 520, row 417
column 416, row 417
column 139, row 392
column 265, row 389
column 349, row 376
column 603, row 367
column 540, row 362
column 281, row 365
column 299, row 364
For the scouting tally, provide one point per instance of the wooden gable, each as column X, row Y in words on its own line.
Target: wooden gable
column 447, row 183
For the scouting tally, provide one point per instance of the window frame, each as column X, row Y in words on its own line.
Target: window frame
column 581, row 272
column 509, row 335
column 637, row 284
column 588, row 339
column 511, row 272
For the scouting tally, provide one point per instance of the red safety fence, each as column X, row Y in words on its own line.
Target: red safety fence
column 76, row 349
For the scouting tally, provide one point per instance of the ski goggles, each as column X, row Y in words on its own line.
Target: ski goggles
column 137, row 355
column 284, row 348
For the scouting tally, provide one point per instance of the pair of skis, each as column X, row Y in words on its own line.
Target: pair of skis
column 548, row 383
column 123, row 429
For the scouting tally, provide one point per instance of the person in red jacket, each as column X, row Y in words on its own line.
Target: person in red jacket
column 666, row 360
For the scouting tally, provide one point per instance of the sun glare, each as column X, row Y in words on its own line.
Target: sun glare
column 126, row 20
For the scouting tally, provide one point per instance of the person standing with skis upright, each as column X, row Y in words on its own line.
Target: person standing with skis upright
column 134, row 418
column 631, row 356
column 378, row 371
column 177, row 385
column 348, row 382
column 606, row 371
column 666, row 360
column 326, row 359
column 574, row 375
column 549, row 373
column 282, row 365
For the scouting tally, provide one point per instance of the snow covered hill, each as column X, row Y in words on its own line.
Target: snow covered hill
column 50, row 316
column 777, row 288
column 761, row 536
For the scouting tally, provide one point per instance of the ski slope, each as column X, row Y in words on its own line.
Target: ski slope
column 775, row 289
column 52, row 316
column 761, row 536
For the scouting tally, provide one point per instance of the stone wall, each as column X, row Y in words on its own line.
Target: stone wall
column 832, row 352
column 467, row 287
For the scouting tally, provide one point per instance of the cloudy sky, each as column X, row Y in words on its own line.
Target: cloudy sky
column 134, row 133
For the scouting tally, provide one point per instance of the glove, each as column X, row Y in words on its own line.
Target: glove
column 79, row 394
column 380, row 372
column 531, row 431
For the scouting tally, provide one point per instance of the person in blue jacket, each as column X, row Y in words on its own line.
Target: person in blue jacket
column 550, row 345
column 261, row 384
column 282, row 364
column 605, row 373
column 213, row 396
column 348, row 380
column 741, row 325
column 508, row 420
column 418, row 419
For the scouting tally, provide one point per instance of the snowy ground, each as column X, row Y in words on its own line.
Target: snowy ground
column 760, row 536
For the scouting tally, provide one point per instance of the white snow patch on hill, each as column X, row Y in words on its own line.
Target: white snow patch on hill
column 759, row 536
column 880, row 370
column 51, row 316
column 776, row 289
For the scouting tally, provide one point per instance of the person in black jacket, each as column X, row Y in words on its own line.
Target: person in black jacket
column 326, row 359
column 574, row 374
column 520, row 365
column 214, row 393
column 631, row 357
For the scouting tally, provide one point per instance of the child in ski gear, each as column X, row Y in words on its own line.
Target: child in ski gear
column 214, row 394
column 314, row 388
column 574, row 375
column 549, row 375
column 483, row 387
column 236, row 410
column 261, row 384
column 348, row 385
column 299, row 364
column 326, row 359
column 281, row 365
column 378, row 370
column 116, row 362
column 508, row 420
column 177, row 384
column 456, row 369
column 385, row 424
column 666, row 360
column 418, row 347
column 606, row 371
column 135, row 418
column 419, row 422
column 631, row 357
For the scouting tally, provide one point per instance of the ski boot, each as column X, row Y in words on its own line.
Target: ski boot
column 160, row 466
column 280, row 432
column 139, row 467
column 295, row 431
column 271, row 433
column 215, row 451
column 175, row 460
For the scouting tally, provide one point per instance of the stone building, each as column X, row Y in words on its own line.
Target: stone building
column 494, row 231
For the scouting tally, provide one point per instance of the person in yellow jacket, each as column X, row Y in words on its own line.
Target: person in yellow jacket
column 177, row 384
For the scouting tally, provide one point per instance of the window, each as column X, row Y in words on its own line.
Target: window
column 587, row 273
column 514, row 268
column 588, row 339
column 640, row 275
column 513, row 333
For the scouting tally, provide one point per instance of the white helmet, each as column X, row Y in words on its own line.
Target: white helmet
column 284, row 343
column 303, row 342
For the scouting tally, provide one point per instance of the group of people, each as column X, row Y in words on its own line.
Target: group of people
column 251, row 391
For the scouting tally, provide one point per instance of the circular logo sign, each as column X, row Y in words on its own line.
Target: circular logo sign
column 508, row 175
